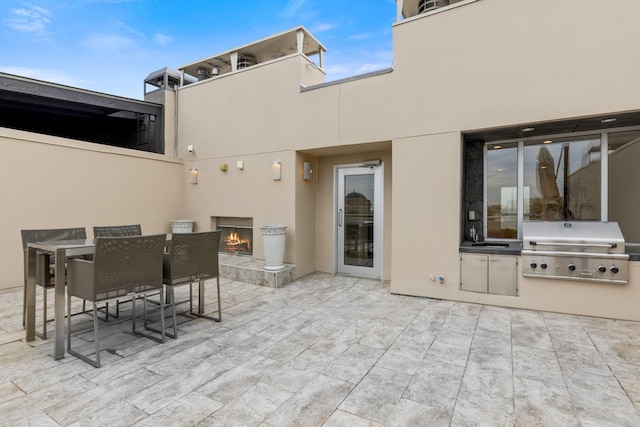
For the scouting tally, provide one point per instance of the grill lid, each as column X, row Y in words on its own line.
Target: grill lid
column 573, row 236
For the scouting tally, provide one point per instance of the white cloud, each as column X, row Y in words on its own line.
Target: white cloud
column 162, row 39
column 318, row 28
column 31, row 19
column 359, row 36
column 108, row 42
column 359, row 64
column 339, row 69
column 292, row 7
column 46, row 74
column 365, row 68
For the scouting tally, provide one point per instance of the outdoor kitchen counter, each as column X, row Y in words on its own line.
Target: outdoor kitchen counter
column 514, row 248
column 492, row 248
column 633, row 249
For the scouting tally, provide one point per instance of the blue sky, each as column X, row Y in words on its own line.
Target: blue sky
column 112, row 45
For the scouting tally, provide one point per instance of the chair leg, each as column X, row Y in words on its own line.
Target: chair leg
column 43, row 334
column 162, row 333
column 44, row 314
column 95, row 363
column 171, row 299
column 95, row 333
column 133, row 313
column 24, row 304
column 144, row 315
column 68, row 323
column 144, row 310
column 219, row 302
column 173, row 310
column 201, row 301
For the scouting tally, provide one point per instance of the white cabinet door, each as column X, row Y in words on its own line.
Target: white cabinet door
column 473, row 275
column 503, row 275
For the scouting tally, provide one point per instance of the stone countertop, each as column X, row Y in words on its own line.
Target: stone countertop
column 492, row 247
column 515, row 247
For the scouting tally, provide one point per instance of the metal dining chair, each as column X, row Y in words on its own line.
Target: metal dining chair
column 116, row 231
column 45, row 261
column 192, row 257
column 121, row 266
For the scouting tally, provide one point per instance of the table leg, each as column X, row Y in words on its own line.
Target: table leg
column 30, row 294
column 58, row 345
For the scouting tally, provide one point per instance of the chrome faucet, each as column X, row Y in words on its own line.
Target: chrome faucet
column 474, row 234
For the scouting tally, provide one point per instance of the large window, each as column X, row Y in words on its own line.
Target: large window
column 562, row 177
column 558, row 178
column 624, row 176
column 502, row 191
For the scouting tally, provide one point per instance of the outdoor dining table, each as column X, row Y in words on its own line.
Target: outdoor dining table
column 62, row 249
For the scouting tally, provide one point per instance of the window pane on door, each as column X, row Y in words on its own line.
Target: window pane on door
column 358, row 216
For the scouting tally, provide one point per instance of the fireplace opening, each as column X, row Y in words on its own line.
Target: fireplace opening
column 237, row 234
column 236, row 240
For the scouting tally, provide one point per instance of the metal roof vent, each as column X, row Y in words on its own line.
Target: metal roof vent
column 427, row 5
column 246, row 61
column 203, row 74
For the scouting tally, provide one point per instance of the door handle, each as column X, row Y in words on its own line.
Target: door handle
column 339, row 217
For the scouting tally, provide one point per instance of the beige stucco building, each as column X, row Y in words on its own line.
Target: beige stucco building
column 414, row 141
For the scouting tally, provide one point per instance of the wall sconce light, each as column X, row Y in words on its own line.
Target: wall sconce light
column 308, row 171
column 276, row 170
column 193, row 175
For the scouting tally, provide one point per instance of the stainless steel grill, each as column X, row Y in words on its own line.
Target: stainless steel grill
column 574, row 250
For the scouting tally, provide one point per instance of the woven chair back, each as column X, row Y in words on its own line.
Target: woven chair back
column 194, row 255
column 44, row 235
column 123, row 265
column 31, row 236
column 117, row 230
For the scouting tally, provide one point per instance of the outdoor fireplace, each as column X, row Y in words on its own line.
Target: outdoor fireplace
column 237, row 235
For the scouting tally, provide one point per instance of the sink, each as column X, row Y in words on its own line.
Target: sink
column 490, row 245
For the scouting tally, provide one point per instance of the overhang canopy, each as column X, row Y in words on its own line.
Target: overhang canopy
column 272, row 47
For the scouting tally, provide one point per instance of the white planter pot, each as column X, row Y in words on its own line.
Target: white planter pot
column 179, row 226
column 273, row 241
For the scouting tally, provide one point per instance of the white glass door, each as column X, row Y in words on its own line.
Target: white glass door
column 359, row 221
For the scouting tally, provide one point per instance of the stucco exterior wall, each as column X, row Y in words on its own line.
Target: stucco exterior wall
column 499, row 62
column 489, row 63
column 50, row 182
column 485, row 64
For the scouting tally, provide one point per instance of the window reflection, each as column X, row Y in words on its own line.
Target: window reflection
column 624, row 173
column 562, row 179
column 502, row 191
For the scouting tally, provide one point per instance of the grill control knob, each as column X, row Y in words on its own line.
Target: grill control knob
column 534, row 265
column 614, row 269
column 602, row 269
column 572, row 267
column 543, row 265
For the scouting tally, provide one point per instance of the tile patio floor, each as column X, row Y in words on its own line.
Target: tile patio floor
column 331, row 351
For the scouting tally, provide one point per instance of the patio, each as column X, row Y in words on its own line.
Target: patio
column 333, row 351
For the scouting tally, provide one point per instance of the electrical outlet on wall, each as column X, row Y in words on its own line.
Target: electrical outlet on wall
column 472, row 215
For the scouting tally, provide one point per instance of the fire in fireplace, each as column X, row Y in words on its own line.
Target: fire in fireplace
column 236, row 240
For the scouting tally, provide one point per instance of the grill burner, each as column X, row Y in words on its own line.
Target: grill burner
column 574, row 250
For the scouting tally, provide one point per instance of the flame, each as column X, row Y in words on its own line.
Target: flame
column 233, row 241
